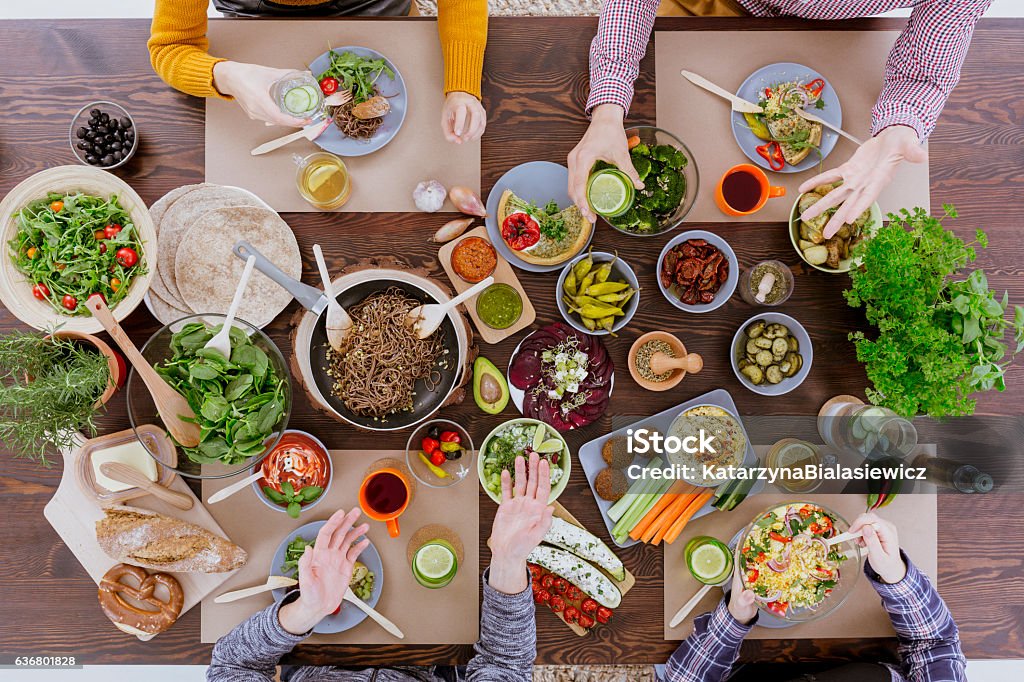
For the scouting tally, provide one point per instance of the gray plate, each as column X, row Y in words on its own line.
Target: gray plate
column 536, row 181
column 349, row 616
column 589, row 455
column 393, row 88
column 783, row 72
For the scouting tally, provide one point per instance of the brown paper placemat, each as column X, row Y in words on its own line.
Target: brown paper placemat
column 853, row 62
column 450, row 615
column 381, row 181
column 861, row 616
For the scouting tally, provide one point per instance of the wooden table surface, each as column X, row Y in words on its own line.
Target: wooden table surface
column 535, row 84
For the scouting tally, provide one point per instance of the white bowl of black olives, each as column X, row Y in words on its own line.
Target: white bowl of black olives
column 103, row 135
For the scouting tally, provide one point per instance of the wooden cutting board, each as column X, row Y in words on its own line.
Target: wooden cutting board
column 624, row 585
column 73, row 512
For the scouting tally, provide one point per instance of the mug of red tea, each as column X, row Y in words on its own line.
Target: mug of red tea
column 384, row 495
column 744, row 189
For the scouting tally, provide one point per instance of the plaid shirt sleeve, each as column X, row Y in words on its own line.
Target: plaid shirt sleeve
column 707, row 655
column 924, row 64
column 623, row 32
column 929, row 642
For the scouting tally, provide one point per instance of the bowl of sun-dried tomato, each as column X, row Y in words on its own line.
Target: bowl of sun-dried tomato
column 697, row 271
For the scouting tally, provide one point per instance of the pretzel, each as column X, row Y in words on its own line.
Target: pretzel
column 128, row 616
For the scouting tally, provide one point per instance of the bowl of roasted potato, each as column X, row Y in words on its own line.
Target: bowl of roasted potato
column 771, row 354
column 836, row 253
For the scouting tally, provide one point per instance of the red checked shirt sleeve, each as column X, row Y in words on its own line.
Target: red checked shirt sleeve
column 924, row 64
column 623, row 32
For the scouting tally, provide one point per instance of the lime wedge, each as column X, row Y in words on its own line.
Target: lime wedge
column 434, row 562
column 538, row 437
column 708, row 562
column 551, row 445
column 610, row 192
column 298, row 100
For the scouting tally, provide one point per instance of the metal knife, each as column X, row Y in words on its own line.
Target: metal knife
column 738, row 103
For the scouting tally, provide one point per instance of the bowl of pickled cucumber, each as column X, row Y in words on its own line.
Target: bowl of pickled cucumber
column 771, row 354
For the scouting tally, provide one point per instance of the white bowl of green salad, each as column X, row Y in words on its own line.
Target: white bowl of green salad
column 520, row 437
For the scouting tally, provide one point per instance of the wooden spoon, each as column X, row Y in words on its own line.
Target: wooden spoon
column 132, row 476
column 339, row 324
column 425, row 319
column 221, row 342
column 662, row 363
column 273, row 582
column 173, row 408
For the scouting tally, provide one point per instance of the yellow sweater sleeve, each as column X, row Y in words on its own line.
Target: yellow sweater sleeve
column 462, row 25
column 178, row 47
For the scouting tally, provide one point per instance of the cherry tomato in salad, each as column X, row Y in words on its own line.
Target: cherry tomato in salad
column 571, row 615
column 69, row 302
column 585, row 621
column 547, row 581
column 752, row 576
column 57, row 206
column 573, row 593
column 437, row 458
column 126, row 257
column 115, row 283
column 429, row 445
column 32, row 252
column 556, row 603
column 329, row 85
column 99, row 235
column 806, row 511
column 778, row 537
column 761, row 557
column 520, row 231
column 61, row 266
column 450, row 437
column 561, row 585
column 41, row 291
column 779, row 607
column 589, row 605
column 110, row 231
column 103, row 248
column 604, row 614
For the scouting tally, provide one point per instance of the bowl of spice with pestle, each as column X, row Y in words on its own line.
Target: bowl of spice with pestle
column 658, row 361
column 768, row 283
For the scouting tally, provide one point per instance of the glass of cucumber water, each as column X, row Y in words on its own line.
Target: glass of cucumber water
column 298, row 94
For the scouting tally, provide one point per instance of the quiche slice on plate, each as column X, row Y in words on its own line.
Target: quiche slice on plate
column 543, row 235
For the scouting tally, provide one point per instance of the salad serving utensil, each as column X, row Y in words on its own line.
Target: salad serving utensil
column 222, row 341
column 684, row 611
column 174, row 410
column 351, row 597
column 124, row 473
column 230, row 490
column 274, row 582
column 339, row 324
column 843, row 537
column 425, row 319
column 808, row 116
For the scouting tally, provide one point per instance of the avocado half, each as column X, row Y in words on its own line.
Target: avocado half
column 490, row 390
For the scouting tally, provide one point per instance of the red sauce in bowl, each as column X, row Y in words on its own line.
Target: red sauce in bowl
column 309, row 463
column 473, row 259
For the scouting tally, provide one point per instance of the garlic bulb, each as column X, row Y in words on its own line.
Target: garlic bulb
column 429, row 196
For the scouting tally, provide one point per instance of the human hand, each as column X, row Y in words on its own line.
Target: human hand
column 325, row 571
column 883, row 546
column 463, row 118
column 864, row 176
column 741, row 600
column 605, row 140
column 523, row 518
column 250, row 85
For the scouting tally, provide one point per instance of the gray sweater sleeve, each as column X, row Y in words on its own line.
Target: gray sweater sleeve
column 251, row 651
column 508, row 637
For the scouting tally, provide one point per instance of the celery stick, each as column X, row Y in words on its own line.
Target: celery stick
column 639, row 487
column 637, row 512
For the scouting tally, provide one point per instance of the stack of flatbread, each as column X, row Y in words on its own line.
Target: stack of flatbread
column 197, row 226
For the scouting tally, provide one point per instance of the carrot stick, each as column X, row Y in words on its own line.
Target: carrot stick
column 665, row 518
column 681, row 522
column 652, row 514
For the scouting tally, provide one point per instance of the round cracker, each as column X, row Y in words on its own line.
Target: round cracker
column 164, row 311
column 157, row 211
column 208, row 272
column 178, row 220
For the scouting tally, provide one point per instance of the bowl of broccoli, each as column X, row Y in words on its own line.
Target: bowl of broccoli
column 669, row 173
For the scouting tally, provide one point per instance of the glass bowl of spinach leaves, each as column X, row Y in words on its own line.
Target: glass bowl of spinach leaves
column 243, row 403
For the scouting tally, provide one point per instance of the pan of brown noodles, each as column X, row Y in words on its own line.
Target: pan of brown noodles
column 383, row 378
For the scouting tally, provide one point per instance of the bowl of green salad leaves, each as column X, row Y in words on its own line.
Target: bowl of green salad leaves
column 671, row 180
column 243, row 402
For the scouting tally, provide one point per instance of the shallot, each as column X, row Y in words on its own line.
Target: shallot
column 429, row 196
column 467, row 201
column 451, row 230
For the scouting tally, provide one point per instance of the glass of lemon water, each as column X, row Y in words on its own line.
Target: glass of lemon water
column 323, row 180
column 610, row 192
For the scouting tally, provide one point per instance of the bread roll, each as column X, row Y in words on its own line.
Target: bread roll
column 144, row 538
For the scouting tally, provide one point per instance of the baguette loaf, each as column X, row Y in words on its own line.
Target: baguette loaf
column 144, row 538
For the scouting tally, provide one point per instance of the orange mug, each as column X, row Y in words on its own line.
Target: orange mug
column 384, row 495
column 741, row 188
